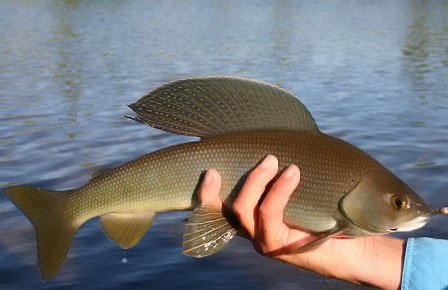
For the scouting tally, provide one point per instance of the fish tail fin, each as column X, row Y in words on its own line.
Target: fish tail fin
column 54, row 231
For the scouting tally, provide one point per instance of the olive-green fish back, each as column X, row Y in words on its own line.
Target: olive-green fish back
column 214, row 105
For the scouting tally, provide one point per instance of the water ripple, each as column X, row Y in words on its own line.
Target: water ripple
column 372, row 73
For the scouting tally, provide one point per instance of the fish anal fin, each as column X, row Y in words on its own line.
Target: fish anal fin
column 207, row 231
column 126, row 229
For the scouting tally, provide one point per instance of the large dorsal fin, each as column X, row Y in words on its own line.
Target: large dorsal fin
column 213, row 105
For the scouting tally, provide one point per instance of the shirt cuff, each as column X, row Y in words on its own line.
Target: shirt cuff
column 425, row 264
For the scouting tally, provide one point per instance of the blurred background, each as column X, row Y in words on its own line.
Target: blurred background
column 374, row 73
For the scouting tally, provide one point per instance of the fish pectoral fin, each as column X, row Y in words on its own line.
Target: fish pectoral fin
column 126, row 229
column 337, row 230
column 207, row 232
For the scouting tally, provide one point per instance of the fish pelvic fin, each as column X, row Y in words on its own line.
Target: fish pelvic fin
column 208, row 106
column 54, row 231
column 126, row 229
column 338, row 230
column 207, row 231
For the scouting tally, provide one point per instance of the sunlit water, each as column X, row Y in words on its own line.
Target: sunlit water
column 374, row 73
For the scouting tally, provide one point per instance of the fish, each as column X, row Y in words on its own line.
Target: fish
column 239, row 121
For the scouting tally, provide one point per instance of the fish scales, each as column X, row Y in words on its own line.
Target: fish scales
column 147, row 183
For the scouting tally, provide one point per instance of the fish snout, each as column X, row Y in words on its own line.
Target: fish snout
column 422, row 209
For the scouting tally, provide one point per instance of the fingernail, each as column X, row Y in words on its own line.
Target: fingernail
column 208, row 178
column 290, row 172
column 268, row 161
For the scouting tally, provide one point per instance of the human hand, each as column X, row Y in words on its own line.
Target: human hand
column 375, row 260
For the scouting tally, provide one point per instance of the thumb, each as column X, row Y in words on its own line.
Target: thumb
column 210, row 188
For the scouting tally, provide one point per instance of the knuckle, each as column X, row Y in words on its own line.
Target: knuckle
column 276, row 189
column 282, row 189
column 261, row 175
column 239, row 209
column 254, row 176
column 281, row 185
column 263, row 249
column 265, row 212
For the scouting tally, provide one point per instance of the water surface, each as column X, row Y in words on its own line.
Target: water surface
column 373, row 73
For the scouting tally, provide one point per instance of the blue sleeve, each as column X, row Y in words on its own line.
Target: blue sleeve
column 425, row 264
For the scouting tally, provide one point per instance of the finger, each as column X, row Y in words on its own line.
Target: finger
column 270, row 216
column 246, row 203
column 210, row 188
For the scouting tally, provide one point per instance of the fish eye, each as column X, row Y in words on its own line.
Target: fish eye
column 399, row 202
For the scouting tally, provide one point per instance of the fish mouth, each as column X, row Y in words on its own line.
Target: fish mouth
column 411, row 225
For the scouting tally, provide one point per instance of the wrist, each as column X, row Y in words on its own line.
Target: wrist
column 381, row 264
column 372, row 260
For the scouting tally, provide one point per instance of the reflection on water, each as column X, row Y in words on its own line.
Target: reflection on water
column 372, row 73
column 425, row 50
